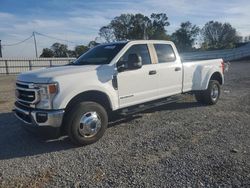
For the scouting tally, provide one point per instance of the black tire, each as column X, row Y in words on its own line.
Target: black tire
column 74, row 126
column 211, row 95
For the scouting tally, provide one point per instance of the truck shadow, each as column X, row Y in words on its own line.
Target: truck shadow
column 16, row 142
column 117, row 119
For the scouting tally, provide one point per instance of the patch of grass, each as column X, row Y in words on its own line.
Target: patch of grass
column 99, row 176
column 1, row 102
column 38, row 180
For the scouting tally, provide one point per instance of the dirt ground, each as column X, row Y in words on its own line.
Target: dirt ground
column 183, row 144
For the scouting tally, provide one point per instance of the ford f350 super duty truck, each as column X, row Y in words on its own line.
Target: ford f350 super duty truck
column 121, row 77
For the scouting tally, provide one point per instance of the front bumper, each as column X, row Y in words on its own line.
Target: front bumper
column 39, row 118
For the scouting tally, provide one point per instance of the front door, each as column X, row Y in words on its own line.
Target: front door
column 139, row 85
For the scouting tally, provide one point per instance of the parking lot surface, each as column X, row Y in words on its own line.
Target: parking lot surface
column 183, row 144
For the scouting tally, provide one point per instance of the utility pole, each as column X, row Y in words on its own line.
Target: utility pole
column 34, row 36
column 1, row 50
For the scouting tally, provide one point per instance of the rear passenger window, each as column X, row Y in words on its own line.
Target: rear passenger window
column 139, row 49
column 165, row 53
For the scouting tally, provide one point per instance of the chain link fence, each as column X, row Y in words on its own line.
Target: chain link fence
column 17, row 65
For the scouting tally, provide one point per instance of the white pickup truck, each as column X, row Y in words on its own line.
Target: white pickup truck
column 124, row 77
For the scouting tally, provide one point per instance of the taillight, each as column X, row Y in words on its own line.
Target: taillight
column 223, row 66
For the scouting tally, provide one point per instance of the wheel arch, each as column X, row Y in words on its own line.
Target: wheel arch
column 91, row 95
column 215, row 76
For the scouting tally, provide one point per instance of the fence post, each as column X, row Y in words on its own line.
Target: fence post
column 6, row 67
column 50, row 63
column 30, row 67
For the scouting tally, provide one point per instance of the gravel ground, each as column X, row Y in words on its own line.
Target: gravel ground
column 183, row 144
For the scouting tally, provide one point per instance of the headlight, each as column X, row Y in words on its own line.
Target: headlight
column 46, row 94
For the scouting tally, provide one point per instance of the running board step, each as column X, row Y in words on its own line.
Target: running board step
column 146, row 106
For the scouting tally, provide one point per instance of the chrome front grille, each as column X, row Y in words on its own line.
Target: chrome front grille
column 26, row 93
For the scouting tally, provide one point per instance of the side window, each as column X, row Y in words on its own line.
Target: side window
column 139, row 49
column 165, row 53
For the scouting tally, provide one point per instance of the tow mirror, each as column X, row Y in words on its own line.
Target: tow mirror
column 120, row 66
column 134, row 61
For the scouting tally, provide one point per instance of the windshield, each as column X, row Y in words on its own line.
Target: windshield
column 99, row 55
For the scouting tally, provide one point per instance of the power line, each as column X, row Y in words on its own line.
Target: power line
column 55, row 38
column 35, row 42
column 17, row 43
column 41, row 34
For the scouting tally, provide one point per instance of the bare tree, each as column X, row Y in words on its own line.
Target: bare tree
column 107, row 33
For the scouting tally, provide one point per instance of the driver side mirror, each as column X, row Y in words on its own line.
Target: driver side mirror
column 134, row 62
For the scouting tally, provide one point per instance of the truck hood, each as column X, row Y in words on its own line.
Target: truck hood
column 45, row 75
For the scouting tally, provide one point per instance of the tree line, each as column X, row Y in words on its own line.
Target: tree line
column 213, row 35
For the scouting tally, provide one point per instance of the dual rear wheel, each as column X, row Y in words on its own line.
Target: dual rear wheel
column 211, row 95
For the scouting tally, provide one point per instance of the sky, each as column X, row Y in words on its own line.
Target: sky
column 79, row 21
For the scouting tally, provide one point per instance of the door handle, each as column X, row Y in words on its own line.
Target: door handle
column 177, row 69
column 152, row 72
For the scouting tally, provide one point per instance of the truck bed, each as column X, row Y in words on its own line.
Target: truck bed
column 196, row 73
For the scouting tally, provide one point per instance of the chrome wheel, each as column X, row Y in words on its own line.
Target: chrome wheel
column 90, row 124
column 214, row 92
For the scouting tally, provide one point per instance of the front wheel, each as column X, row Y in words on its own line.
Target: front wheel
column 211, row 95
column 87, row 123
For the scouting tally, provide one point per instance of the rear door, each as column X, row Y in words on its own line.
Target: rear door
column 140, row 85
column 169, row 70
